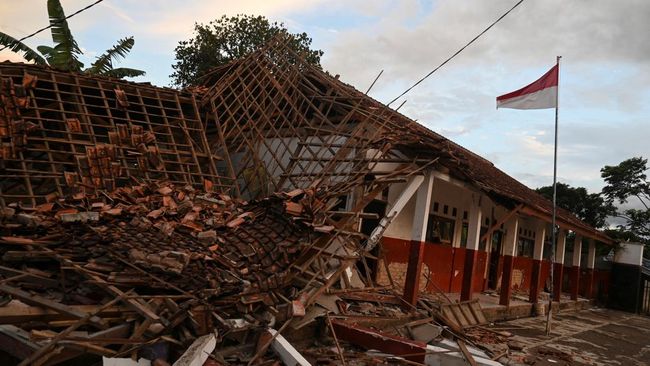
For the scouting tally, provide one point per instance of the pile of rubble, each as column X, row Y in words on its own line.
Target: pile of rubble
column 166, row 274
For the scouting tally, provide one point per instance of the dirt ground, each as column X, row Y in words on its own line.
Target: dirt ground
column 589, row 337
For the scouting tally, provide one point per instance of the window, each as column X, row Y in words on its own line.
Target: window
column 463, row 235
column 497, row 237
column 440, row 230
column 525, row 247
column 483, row 243
column 547, row 249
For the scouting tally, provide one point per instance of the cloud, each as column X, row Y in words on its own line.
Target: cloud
column 582, row 31
column 605, row 79
column 119, row 12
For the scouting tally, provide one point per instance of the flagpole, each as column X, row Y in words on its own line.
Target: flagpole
column 553, row 224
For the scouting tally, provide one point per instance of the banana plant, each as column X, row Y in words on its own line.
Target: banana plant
column 65, row 53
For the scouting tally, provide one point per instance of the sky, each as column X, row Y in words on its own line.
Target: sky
column 604, row 73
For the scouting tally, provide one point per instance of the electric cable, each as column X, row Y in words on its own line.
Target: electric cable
column 457, row 52
column 51, row 25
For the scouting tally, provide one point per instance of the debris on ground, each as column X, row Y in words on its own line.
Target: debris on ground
column 162, row 273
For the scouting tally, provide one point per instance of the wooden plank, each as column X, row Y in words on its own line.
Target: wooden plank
column 15, row 341
column 198, row 352
column 287, row 353
column 468, row 356
column 13, row 313
column 467, row 312
column 43, row 354
column 31, row 277
column 46, row 303
column 118, row 331
column 140, row 307
column 462, row 321
column 475, row 307
column 449, row 316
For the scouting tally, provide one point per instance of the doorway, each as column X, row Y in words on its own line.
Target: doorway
column 495, row 254
column 367, row 226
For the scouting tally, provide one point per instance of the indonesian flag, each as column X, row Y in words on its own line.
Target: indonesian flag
column 540, row 94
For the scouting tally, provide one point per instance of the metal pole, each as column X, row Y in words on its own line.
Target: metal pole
column 553, row 225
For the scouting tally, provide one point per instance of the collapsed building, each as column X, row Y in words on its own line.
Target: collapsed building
column 272, row 197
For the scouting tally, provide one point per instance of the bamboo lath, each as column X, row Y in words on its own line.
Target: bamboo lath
column 62, row 133
column 284, row 124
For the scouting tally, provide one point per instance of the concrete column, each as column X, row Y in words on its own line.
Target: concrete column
column 589, row 270
column 509, row 247
column 575, row 269
column 558, row 266
column 538, row 256
column 473, row 236
column 418, row 236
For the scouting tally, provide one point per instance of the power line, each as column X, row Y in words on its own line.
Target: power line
column 457, row 52
column 52, row 25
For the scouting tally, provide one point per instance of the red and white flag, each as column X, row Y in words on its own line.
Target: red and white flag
column 540, row 94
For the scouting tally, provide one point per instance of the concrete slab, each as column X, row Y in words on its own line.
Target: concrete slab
column 519, row 308
column 587, row 337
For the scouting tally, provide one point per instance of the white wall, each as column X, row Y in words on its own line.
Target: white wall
column 454, row 196
column 445, row 193
column 629, row 253
column 400, row 227
column 285, row 148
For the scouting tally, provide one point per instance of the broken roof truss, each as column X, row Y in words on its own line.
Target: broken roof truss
column 63, row 133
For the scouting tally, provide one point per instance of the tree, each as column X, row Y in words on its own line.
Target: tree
column 65, row 53
column 588, row 207
column 229, row 38
column 625, row 181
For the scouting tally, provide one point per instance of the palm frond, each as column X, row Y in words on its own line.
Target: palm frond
column 47, row 52
column 19, row 47
column 104, row 62
column 123, row 72
column 67, row 49
column 64, row 60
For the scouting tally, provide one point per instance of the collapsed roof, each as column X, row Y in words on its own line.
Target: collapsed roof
column 268, row 122
column 122, row 193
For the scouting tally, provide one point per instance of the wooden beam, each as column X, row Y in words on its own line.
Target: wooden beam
column 500, row 222
column 408, row 192
column 601, row 237
column 46, row 303
column 17, row 314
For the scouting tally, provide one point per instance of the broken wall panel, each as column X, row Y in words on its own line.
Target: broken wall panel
column 66, row 133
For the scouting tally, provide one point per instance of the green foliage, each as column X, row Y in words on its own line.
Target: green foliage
column 625, row 181
column 229, row 38
column 104, row 63
column 19, row 47
column 123, row 72
column 65, row 53
column 589, row 207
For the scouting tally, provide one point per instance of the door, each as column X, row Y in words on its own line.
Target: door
column 493, row 266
